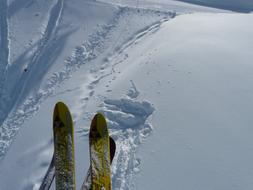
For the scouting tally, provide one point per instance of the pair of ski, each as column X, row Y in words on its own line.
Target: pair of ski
column 62, row 167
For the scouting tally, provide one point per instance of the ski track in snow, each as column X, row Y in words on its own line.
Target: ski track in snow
column 11, row 125
column 119, row 52
column 117, row 56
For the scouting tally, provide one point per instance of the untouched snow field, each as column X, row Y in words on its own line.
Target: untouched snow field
column 173, row 79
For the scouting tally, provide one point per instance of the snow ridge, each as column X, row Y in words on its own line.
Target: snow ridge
column 136, row 38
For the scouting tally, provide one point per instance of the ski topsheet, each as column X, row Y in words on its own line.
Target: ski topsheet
column 63, row 148
column 49, row 177
column 62, row 166
column 87, row 180
column 99, row 154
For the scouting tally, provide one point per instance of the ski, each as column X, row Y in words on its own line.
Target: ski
column 49, row 177
column 63, row 148
column 62, row 163
column 87, row 180
column 112, row 149
column 99, row 154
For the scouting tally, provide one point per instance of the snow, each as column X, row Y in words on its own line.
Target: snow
column 174, row 80
column 235, row 5
column 187, row 5
column 203, row 116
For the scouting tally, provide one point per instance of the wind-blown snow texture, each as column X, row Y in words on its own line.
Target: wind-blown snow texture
column 175, row 88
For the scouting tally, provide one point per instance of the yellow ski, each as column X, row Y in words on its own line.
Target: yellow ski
column 100, row 154
column 63, row 148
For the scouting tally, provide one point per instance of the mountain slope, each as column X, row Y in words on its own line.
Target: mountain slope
column 234, row 5
column 175, row 89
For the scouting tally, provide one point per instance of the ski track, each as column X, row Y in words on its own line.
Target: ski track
column 11, row 125
column 119, row 51
column 38, row 60
column 118, row 55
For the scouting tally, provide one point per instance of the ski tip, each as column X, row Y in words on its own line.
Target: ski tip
column 99, row 120
column 98, row 126
column 61, row 104
column 61, row 116
column 99, row 116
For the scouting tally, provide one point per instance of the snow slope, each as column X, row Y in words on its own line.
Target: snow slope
column 203, row 123
column 234, row 5
column 164, row 5
column 175, row 88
